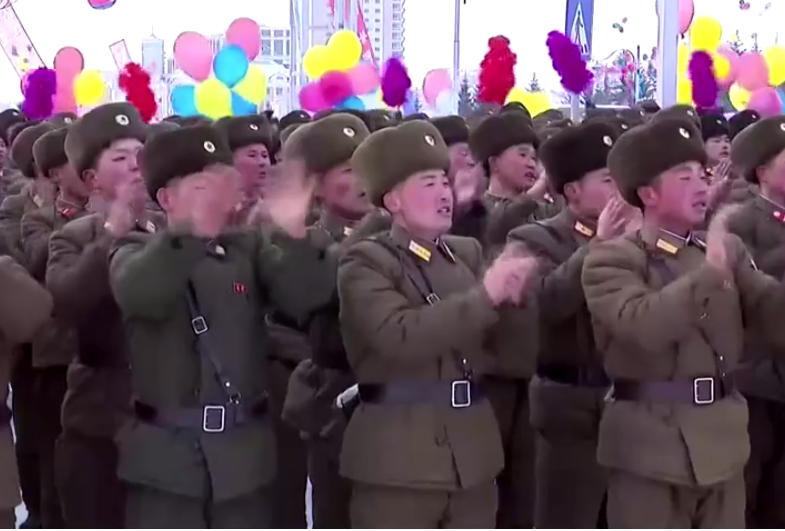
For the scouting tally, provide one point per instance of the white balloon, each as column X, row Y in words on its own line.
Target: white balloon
column 444, row 103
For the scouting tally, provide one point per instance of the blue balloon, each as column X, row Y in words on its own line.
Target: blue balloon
column 184, row 100
column 241, row 106
column 230, row 65
column 352, row 103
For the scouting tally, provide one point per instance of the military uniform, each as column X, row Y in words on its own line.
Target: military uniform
column 760, row 223
column 673, row 435
column 423, row 447
column 201, row 451
column 567, row 394
column 24, row 309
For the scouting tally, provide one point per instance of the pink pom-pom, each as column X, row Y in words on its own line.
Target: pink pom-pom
column 395, row 82
column 40, row 91
column 704, row 83
column 567, row 62
column 335, row 87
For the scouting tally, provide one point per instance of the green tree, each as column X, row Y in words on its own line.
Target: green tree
column 466, row 101
column 736, row 44
column 534, row 84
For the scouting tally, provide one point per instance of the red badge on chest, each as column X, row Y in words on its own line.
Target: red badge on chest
column 239, row 288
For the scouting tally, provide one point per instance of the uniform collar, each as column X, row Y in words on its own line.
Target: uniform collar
column 582, row 228
column 666, row 241
column 338, row 228
column 424, row 250
column 771, row 208
column 68, row 209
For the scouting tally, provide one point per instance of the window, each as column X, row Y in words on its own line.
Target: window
column 396, row 25
column 396, row 35
column 376, row 40
column 396, row 16
column 266, row 47
column 288, row 47
column 278, row 91
column 265, row 33
column 376, row 30
column 278, row 47
column 278, row 33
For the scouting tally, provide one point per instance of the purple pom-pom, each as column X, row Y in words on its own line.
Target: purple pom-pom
column 336, row 87
column 395, row 82
column 705, row 88
column 567, row 62
column 40, row 91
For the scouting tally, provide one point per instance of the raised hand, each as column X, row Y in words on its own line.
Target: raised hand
column 507, row 277
column 288, row 204
column 466, row 188
column 614, row 218
column 716, row 238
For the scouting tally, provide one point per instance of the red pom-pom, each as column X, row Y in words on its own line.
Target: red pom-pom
column 497, row 71
column 134, row 81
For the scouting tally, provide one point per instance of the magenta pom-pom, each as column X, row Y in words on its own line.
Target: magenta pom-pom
column 568, row 63
column 705, row 88
column 336, row 87
column 395, row 82
column 40, row 91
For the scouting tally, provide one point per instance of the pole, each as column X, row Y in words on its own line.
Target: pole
column 456, row 55
column 575, row 107
column 294, row 55
column 353, row 14
column 340, row 14
column 668, row 56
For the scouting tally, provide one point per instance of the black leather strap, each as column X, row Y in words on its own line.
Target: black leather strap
column 699, row 391
column 5, row 415
column 210, row 418
column 458, row 393
column 569, row 374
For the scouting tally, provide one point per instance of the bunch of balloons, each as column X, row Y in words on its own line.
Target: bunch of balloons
column 535, row 102
column 229, row 83
column 101, row 4
column 705, row 34
column 339, row 79
column 438, row 92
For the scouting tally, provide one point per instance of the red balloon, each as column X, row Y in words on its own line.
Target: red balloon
column 101, row 4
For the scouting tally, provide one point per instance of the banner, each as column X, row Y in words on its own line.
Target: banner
column 16, row 43
column 362, row 30
column 120, row 54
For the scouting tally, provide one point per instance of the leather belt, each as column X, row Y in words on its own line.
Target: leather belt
column 701, row 391
column 456, row 394
column 214, row 418
column 579, row 375
column 5, row 415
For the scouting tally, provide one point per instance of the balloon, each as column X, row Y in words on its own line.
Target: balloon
column 213, row 99
column 345, row 50
column 230, row 65
column 775, row 60
column 68, row 62
column 316, row 61
column 364, row 78
column 89, row 88
column 241, row 106
column 733, row 64
column 184, row 100
column 686, row 14
column 352, row 103
column 516, row 94
column 335, row 87
column 253, row 87
column 193, row 54
column 64, row 99
column 722, row 68
column 739, row 97
column 436, row 81
column 766, row 101
column 536, row 102
column 684, row 90
column 753, row 72
column 705, row 34
column 244, row 32
column 444, row 103
column 311, row 98
column 101, row 4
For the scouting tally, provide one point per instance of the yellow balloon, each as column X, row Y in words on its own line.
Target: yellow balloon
column 536, row 102
column 213, row 99
column 516, row 94
column 705, row 34
column 253, row 86
column 721, row 66
column 316, row 61
column 345, row 50
column 683, row 58
column 775, row 60
column 684, row 90
column 89, row 88
column 739, row 97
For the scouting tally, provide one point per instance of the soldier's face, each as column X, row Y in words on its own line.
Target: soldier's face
column 718, row 149
column 592, row 192
column 252, row 163
column 518, row 166
column 209, row 196
column 116, row 164
column 339, row 189
column 460, row 158
column 424, row 203
column 680, row 197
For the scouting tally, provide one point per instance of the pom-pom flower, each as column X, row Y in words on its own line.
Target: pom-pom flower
column 40, row 90
column 134, row 81
column 704, row 83
column 568, row 63
column 336, row 87
column 497, row 71
column 395, row 82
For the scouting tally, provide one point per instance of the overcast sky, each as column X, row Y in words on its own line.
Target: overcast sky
column 53, row 24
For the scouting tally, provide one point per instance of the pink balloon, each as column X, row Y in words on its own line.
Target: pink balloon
column 364, row 78
column 766, row 101
column 753, row 73
column 244, row 32
column 194, row 55
column 311, row 98
column 65, row 101
column 733, row 59
column 335, row 87
column 686, row 14
column 69, row 62
column 436, row 81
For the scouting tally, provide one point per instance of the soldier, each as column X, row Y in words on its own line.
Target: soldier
column 740, row 121
column 758, row 153
column 24, row 307
column 102, row 151
column 417, row 318
column 201, row 450
column 9, row 176
column 668, row 313
column 568, row 391
column 716, row 137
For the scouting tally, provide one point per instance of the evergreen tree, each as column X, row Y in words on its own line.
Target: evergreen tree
column 736, row 43
column 466, row 102
column 534, row 84
column 417, row 102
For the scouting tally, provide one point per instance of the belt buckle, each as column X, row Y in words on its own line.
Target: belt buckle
column 703, row 394
column 461, row 395
column 209, row 415
column 199, row 325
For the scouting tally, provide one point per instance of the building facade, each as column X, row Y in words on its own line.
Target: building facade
column 386, row 21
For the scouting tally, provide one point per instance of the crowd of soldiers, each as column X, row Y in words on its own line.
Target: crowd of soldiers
column 503, row 321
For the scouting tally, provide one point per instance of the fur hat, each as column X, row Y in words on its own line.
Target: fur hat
column 379, row 119
column 17, row 128
column 757, row 145
column 542, row 122
column 287, row 132
column 190, row 121
column 49, row 150
column 713, row 126
column 498, row 132
column 247, row 130
column 8, row 118
column 294, row 145
column 332, row 141
column 292, row 118
column 741, row 120
column 22, row 148
column 453, row 129
column 515, row 106
column 95, row 131
column 415, row 116
column 573, row 152
column 632, row 117
column 63, row 119
column 644, row 153
column 185, row 151
column 649, row 106
column 679, row 111
column 390, row 156
column 161, row 127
